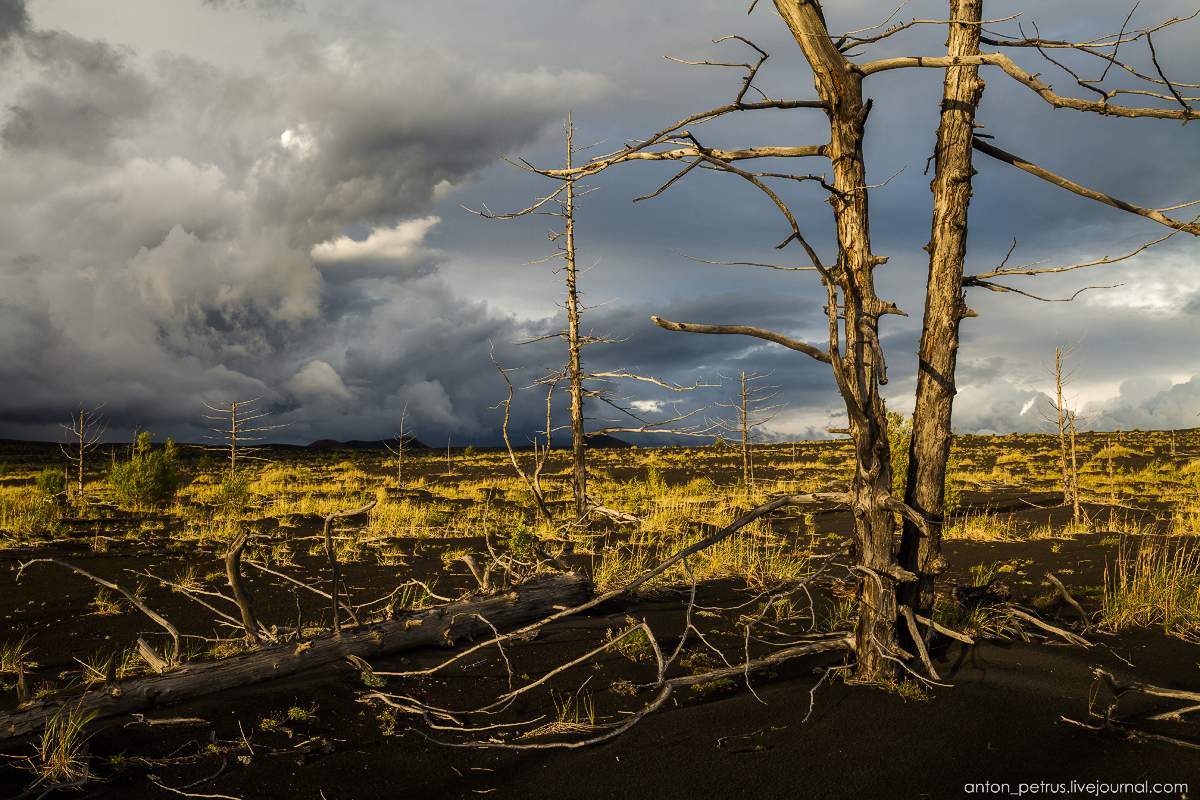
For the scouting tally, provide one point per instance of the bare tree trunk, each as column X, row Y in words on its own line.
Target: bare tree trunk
column 1062, row 426
column 233, row 573
column 862, row 368
column 929, row 452
column 1076, row 511
column 335, row 568
column 82, row 453
column 400, row 456
column 233, row 438
column 574, row 371
column 744, row 420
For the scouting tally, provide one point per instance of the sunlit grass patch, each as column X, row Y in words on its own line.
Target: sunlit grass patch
column 1156, row 583
column 27, row 511
column 988, row 526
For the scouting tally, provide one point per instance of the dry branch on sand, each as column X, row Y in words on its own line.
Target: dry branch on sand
column 435, row 627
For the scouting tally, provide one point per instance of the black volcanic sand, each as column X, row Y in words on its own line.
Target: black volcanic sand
column 999, row 721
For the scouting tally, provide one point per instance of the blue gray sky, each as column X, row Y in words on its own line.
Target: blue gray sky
column 216, row 200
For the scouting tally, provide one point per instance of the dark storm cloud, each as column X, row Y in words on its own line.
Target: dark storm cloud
column 148, row 280
column 279, row 217
column 14, row 19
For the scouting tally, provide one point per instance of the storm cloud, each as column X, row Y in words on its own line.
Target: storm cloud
column 269, row 206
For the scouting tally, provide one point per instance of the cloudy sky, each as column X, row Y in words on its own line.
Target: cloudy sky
column 213, row 200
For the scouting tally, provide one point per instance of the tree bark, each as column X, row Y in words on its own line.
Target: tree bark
column 862, row 369
column 929, row 451
column 233, row 574
column 744, row 414
column 574, row 370
column 438, row 626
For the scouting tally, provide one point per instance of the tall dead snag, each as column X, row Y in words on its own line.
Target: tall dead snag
column 398, row 450
column 1064, row 421
column 574, row 368
column 83, row 436
column 753, row 408
column 861, row 370
column 564, row 199
column 853, row 308
column 240, row 429
column 945, row 305
column 929, row 450
column 580, row 383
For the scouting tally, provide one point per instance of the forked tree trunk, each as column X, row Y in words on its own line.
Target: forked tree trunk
column 840, row 87
column 929, row 452
column 241, row 595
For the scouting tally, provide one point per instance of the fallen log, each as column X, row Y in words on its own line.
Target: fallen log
column 441, row 626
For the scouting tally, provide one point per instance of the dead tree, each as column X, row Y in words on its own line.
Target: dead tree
column 398, row 450
column 83, row 436
column 1064, row 422
column 957, row 140
column 336, row 585
column 240, row 429
column 237, row 584
column 580, row 383
column 753, row 407
column 852, row 351
column 532, row 478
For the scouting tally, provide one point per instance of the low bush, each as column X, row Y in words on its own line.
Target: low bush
column 52, row 481
column 150, row 477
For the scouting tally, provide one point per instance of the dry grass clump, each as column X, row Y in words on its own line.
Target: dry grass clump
column 753, row 555
column 986, row 527
column 61, row 757
column 27, row 511
column 1155, row 584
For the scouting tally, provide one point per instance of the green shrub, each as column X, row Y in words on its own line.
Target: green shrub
column 233, row 492
column 899, row 440
column 52, row 481
column 522, row 542
column 150, row 477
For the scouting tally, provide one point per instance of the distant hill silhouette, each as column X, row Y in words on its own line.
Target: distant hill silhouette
column 410, row 442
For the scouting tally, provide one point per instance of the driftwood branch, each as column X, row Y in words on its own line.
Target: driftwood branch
column 158, row 663
column 434, row 627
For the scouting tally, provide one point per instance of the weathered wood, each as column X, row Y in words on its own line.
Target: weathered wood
column 241, row 595
column 859, row 369
column 443, row 626
column 574, row 368
column 929, row 451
